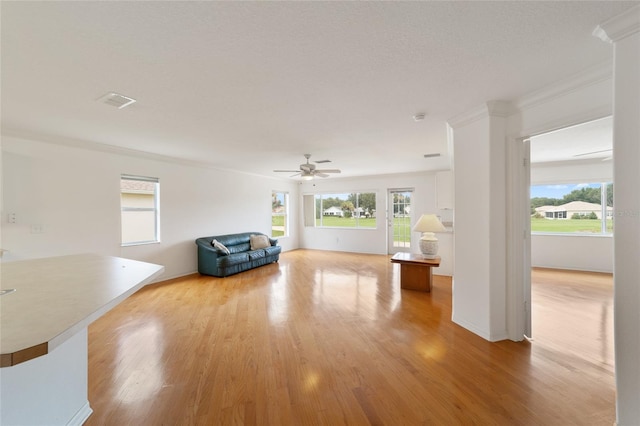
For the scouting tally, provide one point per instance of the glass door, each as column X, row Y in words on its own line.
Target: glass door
column 399, row 220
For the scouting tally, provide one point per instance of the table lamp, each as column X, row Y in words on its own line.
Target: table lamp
column 428, row 224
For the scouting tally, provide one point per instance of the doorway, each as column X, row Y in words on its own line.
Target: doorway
column 567, row 184
column 399, row 219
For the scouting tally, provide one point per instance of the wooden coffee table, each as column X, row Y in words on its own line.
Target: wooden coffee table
column 415, row 270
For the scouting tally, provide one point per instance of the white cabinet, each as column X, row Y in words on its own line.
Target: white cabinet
column 444, row 190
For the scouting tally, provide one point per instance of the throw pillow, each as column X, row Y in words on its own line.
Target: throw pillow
column 259, row 242
column 220, row 247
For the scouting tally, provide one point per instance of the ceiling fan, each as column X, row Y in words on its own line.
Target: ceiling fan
column 308, row 171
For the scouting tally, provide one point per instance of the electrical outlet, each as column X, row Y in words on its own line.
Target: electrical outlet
column 11, row 218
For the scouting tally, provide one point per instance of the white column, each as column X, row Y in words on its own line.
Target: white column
column 624, row 32
column 479, row 290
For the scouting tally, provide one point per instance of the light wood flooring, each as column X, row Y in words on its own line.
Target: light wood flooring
column 325, row 338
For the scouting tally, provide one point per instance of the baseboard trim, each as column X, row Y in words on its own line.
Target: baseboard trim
column 491, row 337
column 81, row 416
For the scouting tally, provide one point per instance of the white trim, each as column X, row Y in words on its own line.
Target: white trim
column 518, row 253
column 619, row 27
column 490, row 109
column 588, row 77
column 492, row 337
column 112, row 149
column 81, row 416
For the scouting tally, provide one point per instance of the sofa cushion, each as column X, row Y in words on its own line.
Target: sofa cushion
column 272, row 250
column 239, row 248
column 256, row 254
column 234, row 239
column 233, row 259
column 259, row 242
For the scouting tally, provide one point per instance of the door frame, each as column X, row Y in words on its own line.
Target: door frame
column 391, row 249
column 519, row 240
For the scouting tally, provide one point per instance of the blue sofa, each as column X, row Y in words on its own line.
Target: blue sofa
column 241, row 257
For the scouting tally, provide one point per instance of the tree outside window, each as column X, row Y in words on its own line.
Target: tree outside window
column 348, row 210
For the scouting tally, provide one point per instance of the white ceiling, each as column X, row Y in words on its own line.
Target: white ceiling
column 584, row 142
column 252, row 86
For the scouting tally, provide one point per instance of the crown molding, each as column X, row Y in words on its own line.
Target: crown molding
column 591, row 76
column 500, row 109
column 117, row 150
column 490, row 109
column 96, row 146
column 594, row 75
column 619, row 27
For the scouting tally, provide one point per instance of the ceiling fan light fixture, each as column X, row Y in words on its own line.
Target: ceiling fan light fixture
column 309, row 171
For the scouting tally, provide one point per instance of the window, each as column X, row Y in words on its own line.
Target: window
column 140, row 210
column 348, row 210
column 279, row 214
column 568, row 208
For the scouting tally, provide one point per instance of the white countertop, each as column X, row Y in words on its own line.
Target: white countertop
column 56, row 297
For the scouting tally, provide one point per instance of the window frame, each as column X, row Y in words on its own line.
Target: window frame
column 604, row 211
column 155, row 209
column 319, row 216
column 285, row 214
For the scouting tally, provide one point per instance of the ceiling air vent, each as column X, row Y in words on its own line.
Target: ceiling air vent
column 117, row 100
column 432, row 155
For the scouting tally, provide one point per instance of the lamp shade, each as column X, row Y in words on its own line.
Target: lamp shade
column 428, row 223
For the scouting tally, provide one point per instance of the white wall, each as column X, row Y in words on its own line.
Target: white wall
column 579, row 252
column 72, row 195
column 375, row 240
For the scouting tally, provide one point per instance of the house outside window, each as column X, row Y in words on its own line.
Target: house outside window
column 140, row 210
column 279, row 214
column 572, row 208
column 345, row 210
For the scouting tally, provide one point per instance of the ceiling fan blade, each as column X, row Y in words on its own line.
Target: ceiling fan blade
column 287, row 171
column 296, row 174
column 322, row 175
column 328, row 171
column 322, row 161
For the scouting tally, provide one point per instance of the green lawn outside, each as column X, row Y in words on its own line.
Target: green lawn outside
column 402, row 225
column 277, row 226
column 346, row 222
column 402, row 230
column 569, row 225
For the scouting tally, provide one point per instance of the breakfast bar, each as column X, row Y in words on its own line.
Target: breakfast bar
column 46, row 306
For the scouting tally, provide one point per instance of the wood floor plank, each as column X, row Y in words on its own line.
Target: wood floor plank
column 325, row 338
